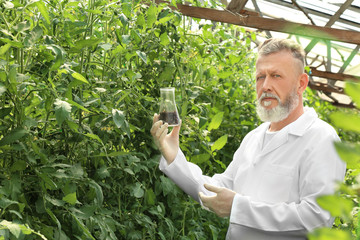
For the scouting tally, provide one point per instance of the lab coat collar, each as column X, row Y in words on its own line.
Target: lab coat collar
column 300, row 126
column 297, row 128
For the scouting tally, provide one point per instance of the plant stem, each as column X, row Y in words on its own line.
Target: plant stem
column 183, row 220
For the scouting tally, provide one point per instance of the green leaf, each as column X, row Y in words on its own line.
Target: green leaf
column 126, row 9
column 4, row 112
column 14, row 135
column 164, row 39
column 220, row 143
column 53, row 201
column 142, row 56
column 43, row 10
column 96, row 11
column 123, row 19
column 70, row 198
column 12, row 75
column 150, row 197
column 112, row 154
column 166, row 18
column 118, row 49
column 336, row 205
column 98, row 191
column 200, row 158
column 151, row 16
column 62, row 111
column 59, row 56
column 329, row 234
column 118, row 117
column 106, row 46
column 103, row 172
column 120, row 121
column 18, row 165
column 49, row 183
column 234, row 59
column 353, row 89
column 216, row 121
column 87, row 43
column 13, row 227
column 225, row 74
column 349, row 122
column 93, row 136
column 4, row 48
column 138, row 192
column 129, row 171
column 79, row 77
column 126, row 39
column 5, row 203
column 214, row 232
column 140, row 21
column 167, row 185
column 13, row 43
column 78, row 106
column 350, row 153
column 54, row 218
column 83, row 227
column 33, row 36
column 8, row 5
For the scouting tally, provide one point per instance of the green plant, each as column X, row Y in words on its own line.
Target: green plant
column 344, row 205
column 79, row 83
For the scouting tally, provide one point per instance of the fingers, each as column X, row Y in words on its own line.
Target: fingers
column 156, row 126
column 161, row 134
column 212, row 188
column 156, row 118
column 159, row 130
column 206, row 200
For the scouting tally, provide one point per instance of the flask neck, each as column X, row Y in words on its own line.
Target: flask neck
column 167, row 94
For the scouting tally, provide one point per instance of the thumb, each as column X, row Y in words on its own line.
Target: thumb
column 176, row 129
column 212, row 188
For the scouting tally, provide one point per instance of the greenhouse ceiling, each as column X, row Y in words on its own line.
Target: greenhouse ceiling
column 329, row 31
column 344, row 57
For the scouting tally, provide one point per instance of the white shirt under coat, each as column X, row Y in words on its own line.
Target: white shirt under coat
column 276, row 184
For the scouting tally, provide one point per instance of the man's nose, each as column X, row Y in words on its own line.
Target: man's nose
column 267, row 84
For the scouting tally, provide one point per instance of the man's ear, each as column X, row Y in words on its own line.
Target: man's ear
column 303, row 82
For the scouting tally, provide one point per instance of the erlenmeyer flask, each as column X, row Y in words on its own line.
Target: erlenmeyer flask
column 168, row 111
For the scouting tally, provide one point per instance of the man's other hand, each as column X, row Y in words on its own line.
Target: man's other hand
column 221, row 203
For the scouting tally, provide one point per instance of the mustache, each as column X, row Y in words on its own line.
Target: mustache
column 265, row 95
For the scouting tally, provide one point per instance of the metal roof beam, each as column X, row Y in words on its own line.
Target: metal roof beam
column 331, row 21
column 317, row 13
column 349, row 59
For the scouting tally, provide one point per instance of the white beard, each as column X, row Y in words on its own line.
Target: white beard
column 281, row 111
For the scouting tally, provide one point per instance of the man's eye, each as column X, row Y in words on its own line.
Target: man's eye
column 276, row 75
column 260, row 78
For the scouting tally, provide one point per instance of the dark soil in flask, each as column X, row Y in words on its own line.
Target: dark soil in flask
column 170, row 117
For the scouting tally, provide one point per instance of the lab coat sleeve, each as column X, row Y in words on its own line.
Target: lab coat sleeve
column 189, row 177
column 319, row 171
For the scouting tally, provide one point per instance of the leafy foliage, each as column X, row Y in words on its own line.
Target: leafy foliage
column 344, row 206
column 79, row 84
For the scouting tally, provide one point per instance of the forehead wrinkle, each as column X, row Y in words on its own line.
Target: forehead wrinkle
column 270, row 70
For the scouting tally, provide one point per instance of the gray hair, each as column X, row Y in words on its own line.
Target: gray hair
column 274, row 45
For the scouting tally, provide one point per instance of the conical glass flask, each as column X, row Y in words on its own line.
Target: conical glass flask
column 168, row 111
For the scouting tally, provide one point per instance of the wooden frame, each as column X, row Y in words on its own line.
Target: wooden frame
column 234, row 14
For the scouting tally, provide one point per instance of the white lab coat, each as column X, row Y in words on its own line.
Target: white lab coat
column 276, row 185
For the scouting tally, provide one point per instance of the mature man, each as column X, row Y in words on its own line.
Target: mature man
column 269, row 190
